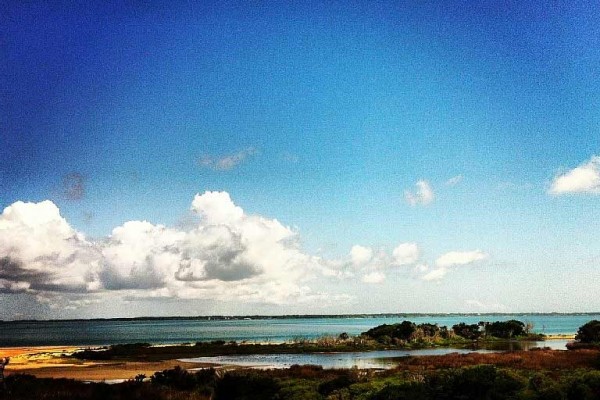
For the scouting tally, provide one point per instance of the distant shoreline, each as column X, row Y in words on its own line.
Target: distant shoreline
column 299, row 316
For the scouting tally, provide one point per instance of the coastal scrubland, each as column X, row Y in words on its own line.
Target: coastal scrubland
column 535, row 374
column 542, row 374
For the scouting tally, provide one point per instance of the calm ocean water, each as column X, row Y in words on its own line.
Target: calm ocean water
column 158, row 331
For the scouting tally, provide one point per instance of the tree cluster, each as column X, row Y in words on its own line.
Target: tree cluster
column 589, row 332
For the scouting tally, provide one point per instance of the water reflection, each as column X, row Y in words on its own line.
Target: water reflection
column 365, row 359
column 525, row 346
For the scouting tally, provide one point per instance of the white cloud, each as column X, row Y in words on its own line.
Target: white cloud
column 139, row 255
column 361, row 255
column 422, row 196
column 227, row 162
column 40, row 251
column 406, row 254
column 228, row 256
column 216, row 208
column 455, row 180
column 582, row 179
column 374, row 277
column 435, row 274
column 446, row 261
column 454, row 258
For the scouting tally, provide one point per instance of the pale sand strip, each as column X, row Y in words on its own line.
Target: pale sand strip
column 47, row 362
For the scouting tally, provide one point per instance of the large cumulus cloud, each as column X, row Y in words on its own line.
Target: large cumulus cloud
column 227, row 255
column 41, row 252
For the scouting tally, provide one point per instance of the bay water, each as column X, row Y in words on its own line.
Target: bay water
column 257, row 329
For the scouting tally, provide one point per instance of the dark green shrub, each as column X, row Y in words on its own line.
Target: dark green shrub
column 589, row 332
column 470, row 332
column 584, row 386
column 337, row 383
column 474, row 382
column 506, row 384
column 429, row 329
column 402, row 331
column 404, row 391
column 176, row 378
column 236, row 386
column 505, row 329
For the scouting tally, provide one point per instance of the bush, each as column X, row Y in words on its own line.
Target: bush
column 337, row 383
column 475, row 382
column 237, row 386
column 589, row 332
column 176, row 378
column 404, row 391
column 505, row 329
column 470, row 332
column 478, row 382
column 402, row 331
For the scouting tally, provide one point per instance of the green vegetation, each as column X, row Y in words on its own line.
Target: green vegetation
column 403, row 335
column 505, row 329
column 469, row 332
column 589, row 333
column 310, row 382
column 145, row 352
column 408, row 334
column 588, row 337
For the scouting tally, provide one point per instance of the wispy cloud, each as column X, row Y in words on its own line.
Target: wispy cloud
column 582, row 179
column 435, row 274
column 455, row 180
column 423, row 195
column 445, row 262
column 454, row 258
column 227, row 162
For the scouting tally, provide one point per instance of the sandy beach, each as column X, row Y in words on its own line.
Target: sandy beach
column 51, row 362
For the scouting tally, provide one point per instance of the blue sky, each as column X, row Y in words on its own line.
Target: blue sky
column 321, row 115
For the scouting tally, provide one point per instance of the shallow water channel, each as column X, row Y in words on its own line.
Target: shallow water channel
column 361, row 359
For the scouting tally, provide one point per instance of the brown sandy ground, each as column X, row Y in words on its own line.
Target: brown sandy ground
column 53, row 362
